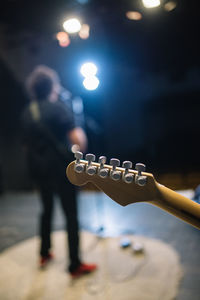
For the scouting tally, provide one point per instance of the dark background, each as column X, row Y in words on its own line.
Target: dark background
column 147, row 104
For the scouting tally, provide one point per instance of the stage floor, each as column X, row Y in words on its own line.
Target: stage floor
column 18, row 221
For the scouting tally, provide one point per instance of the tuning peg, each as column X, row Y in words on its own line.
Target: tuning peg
column 127, row 165
column 90, row 157
column 79, row 168
column 102, row 161
column 114, row 162
column 139, row 178
column 140, row 168
column 128, row 177
column 103, row 172
column 115, row 175
column 78, row 155
column 90, row 170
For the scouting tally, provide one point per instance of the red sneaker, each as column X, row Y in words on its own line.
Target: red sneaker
column 44, row 260
column 83, row 269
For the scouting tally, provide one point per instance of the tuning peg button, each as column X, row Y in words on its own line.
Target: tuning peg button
column 78, row 167
column 78, row 155
column 128, row 177
column 90, row 170
column 114, row 162
column 90, row 157
column 127, row 164
column 115, row 175
column 140, row 168
column 102, row 160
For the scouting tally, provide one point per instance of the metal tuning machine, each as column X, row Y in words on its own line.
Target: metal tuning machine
column 90, row 169
column 115, row 175
column 78, row 167
column 127, row 176
column 102, row 171
column 139, row 178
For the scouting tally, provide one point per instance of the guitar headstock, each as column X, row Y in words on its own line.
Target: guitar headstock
column 122, row 184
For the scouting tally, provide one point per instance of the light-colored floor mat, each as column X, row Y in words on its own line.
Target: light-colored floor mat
column 122, row 275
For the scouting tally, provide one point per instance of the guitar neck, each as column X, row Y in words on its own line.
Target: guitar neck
column 178, row 205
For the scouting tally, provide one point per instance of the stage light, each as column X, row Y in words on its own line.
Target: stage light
column 63, row 39
column 88, row 69
column 84, row 31
column 75, row 148
column 151, row 3
column 91, row 83
column 64, row 43
column 62, row 36
column 134, row 15
column 169, row 6
column 72, row 25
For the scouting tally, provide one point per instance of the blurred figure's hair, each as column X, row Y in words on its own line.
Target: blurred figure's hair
column 41, row 82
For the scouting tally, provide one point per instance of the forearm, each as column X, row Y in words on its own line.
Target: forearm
column 77, row 136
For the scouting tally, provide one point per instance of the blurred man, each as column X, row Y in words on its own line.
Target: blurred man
column 49, row 131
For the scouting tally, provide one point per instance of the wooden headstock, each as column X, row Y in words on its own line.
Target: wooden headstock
column 125, row 186
column 80, row 172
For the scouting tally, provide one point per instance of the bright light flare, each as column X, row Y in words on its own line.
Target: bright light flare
column 91, row 83
column 169, row 6
column 151, row 3
column 63, row 39
column 84, row 32
column 88, row 69
column 62, row 36
column 64, row 44
column 134, row 15
column 75, row 148
column 72, row 25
